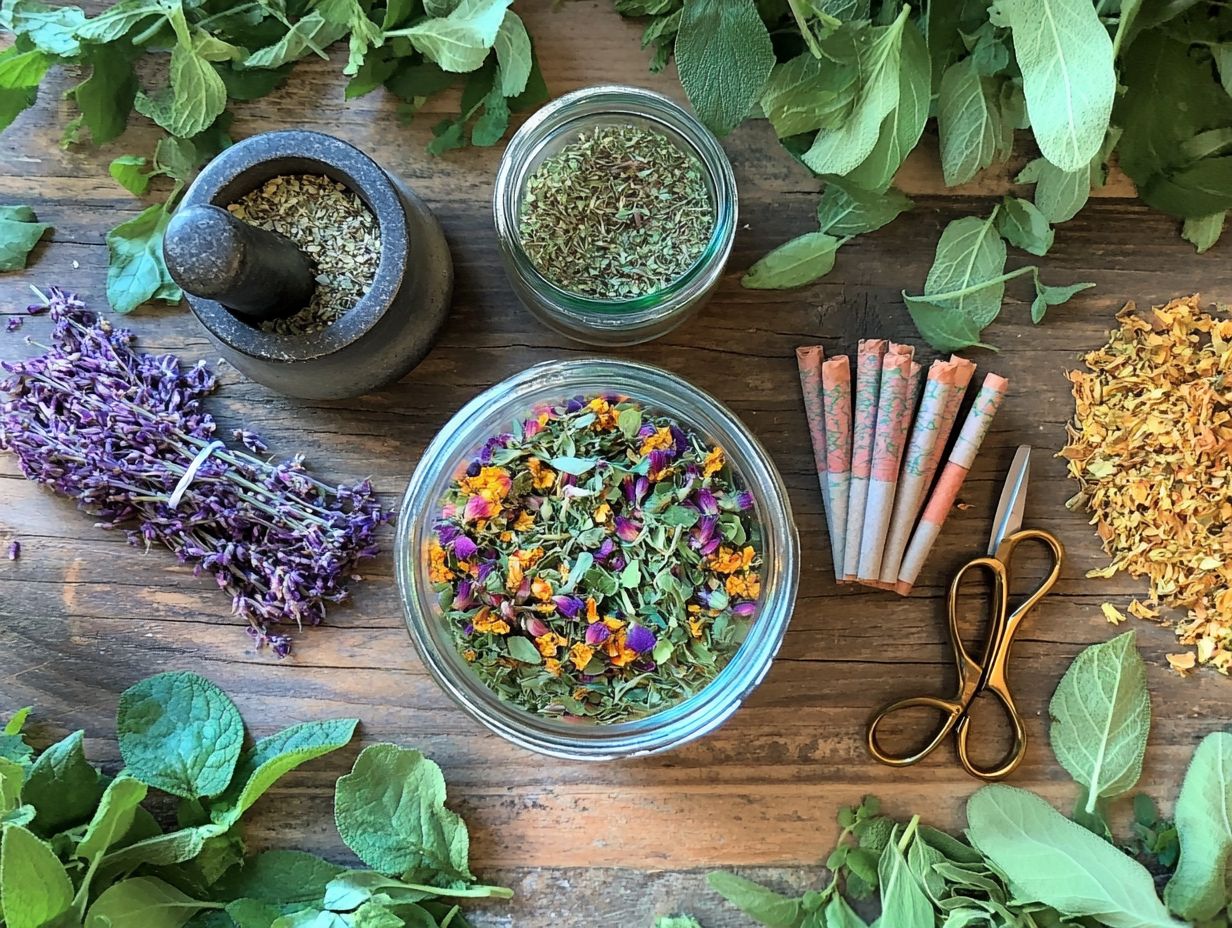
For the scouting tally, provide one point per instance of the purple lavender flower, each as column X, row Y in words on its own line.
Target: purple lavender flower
column 627, row 529
column 13, row 323
column 14, row 550
column 251, row 440
column 597, row 633
column 640, row 639
column 464, row 548
column 568, row 606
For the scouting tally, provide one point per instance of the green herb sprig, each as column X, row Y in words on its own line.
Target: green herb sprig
column 78, row 848
column 1021, row 864
column 849, row 85
column 220, row 52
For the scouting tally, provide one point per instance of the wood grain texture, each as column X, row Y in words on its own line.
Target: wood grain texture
column 82, row 615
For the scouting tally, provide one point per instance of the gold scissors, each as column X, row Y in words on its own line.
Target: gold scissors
column 989, row 672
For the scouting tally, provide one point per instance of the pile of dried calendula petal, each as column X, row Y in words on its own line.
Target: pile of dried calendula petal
column 1151, row 444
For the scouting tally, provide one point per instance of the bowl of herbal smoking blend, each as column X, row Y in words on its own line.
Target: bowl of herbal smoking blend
column 615, row 210
column 355, row 262
column 596, row 559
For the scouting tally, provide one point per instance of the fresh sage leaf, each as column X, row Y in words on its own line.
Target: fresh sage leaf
column 759, row 903
column 143, row 902
column 113, row 818
column 1065, row 55
column 1199, row 888
column 1059, row 194
column 808, row 93
column 390, row 810
column 724, row 57
column 161, row 850
column 839, row 914
column 968, row 120
column 280, row 878
column 62, row 786
column 794, row 263
column 34, row 889
column 19, row 233
column 1021, row 223
column 310, row 31
column 1204, row 231
column 844, row 212
column 1049, row 859
column 180, row 733
column 903, row 901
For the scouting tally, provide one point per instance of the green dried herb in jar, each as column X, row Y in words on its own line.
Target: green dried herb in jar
column 619, row 213
column 602, row 563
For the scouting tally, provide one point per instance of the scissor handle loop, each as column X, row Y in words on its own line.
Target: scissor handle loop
column 971, row 670
column 1018, row 747
column 951, row 709
column 1005, row 554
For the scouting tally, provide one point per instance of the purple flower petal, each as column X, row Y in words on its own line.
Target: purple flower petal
column 744, row 609
column 597, row 633
column 706, row 502
column 464, row 549
column 640, row 638
column 568, row 606
column 464, row 595
column 604, row 551
column 14, row 323
column 14, row 551
column 627, row 529
column 535, row 626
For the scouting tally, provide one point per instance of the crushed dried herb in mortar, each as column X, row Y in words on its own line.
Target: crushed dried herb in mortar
column 1151, row 445
column 601, row 562
column 333, row 227
column 619, row 213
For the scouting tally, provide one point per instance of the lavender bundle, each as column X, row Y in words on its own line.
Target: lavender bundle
column 125, row 434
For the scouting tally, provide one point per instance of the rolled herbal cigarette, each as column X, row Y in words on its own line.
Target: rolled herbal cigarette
column 809, row 361
column 900, row 377
column 943, row 392
column 966, row 446
column 864, row 428
column 836, row 401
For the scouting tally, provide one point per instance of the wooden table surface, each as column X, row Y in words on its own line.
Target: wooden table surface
column 83, row 615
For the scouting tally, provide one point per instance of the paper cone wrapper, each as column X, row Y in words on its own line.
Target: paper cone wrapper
column 836, row 402
column 864, row 429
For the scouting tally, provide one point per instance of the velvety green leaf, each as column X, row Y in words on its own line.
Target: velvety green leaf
column 461, row 41
column 1059, row 195
column 20, row 74
column 390, row 810
column 1046, row 296
column 759, row 903
column 198, row 95
column 161, row 850
column 127, row 171
column 492, row 123
column 118, row 20
column 1049, row 859
column 34, row 889
column 252, row 913
column 724, row 56
column 1021, row 223
column 968, row 120
column 49, row 29
column 838, row 914
column 354, row 888
column 307, row 32
column 794, row 263
column 12, row 776
column 903, row 901
column 112, row 819
column 253, row 83
column 879, row 53
column 141, row 902
column 808, row 93
column 1066, row 59
column 902, row 128
column 62, row 786
column 1199, row 888
column 1204, row 231
column 260, row 766
column 105, row 98
column 1194, row 191
column 844, row 212
column 513, row 54
column 135, row 271
column 18, row 238
column 1101, row 716
column 180, row 733
column 280, row 878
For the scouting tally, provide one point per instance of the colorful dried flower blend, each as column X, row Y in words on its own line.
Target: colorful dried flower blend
column 599, row 561
column 124, row 433
column 1151, row 445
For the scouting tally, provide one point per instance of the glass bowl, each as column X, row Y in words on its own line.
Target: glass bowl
column 508, row 403
column 612, row 322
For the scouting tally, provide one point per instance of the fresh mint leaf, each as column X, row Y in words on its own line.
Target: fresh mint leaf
column 1101, row 716
column 846, row 211
column 135, row 271
column 180, row 733
column 364, row 33
column 62, row 786
column 494, row 120
column 461, row 41
column 1204, row 231
column 968, row 119
column 879, row 56
column 119, row 20
column 52, row 30
column 280, row 878
column 756, row 901
column 1065, row 55
column 143, row 902
column 106, row 97
column 34, row 889
column 513, row 54
column 1199, row 888
column 127, row 171
column 1021, row 223
column 1047, row 858
column 1059, row 195
column 112, row 819
column 253, row 83
column 799, row 261
column 809, row 93
column 198, row 95
column 390, row 810
column 19, row 233
column 1046, row 296
column 260, row 766
column 20, row 74
column 724, row 56
column 309, row 33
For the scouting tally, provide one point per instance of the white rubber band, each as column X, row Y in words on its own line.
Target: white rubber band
column 182, row 487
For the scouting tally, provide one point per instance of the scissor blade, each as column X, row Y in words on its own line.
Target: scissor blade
column 1013, row 499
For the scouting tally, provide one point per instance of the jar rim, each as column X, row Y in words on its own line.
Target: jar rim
column 593, row 102
column 677, row 724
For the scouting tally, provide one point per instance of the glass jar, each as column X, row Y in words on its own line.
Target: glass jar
column 507, row 404
column 612, row 322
